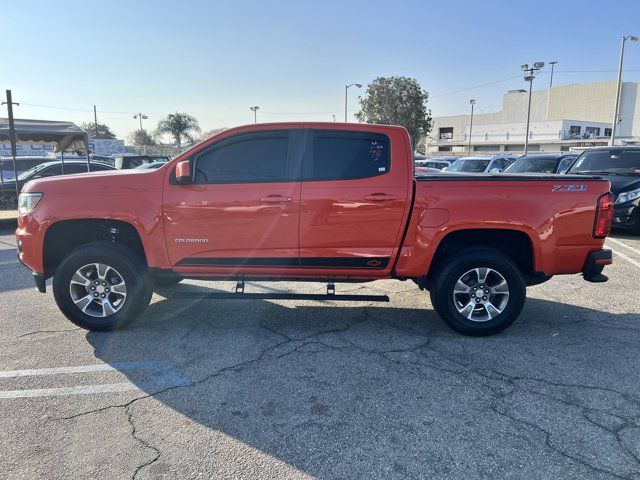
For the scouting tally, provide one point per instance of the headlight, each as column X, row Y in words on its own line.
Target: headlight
column 27, row 202
column 625, row 197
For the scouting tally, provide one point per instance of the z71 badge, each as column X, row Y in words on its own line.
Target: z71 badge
column 569, row 188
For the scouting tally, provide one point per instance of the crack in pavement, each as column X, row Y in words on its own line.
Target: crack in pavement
column 142, row 442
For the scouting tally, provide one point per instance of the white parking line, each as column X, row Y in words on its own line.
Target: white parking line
column 622, row 244
column 164, row 376
column 13, row 262
column 628, row 259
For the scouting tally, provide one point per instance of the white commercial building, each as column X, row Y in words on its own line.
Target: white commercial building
column 561, row 117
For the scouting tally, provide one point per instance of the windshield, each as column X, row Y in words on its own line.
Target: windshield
column 468, row 166
column 608, row 161
column 533, row 165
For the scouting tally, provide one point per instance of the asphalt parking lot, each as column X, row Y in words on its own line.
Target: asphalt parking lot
column 282, row 389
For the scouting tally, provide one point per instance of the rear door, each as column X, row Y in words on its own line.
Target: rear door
column 241, row 211
column 355, row 193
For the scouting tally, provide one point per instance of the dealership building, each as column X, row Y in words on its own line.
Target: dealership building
column 562, row 117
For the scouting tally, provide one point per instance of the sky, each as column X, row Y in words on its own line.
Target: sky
column 214, row 60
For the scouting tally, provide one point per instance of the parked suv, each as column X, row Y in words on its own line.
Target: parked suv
column 621, row 166
column 481, row 164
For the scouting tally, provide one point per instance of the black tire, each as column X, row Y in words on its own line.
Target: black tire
column 453, row 268
column 127, row 267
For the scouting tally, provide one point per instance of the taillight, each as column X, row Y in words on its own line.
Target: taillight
column 604, row 215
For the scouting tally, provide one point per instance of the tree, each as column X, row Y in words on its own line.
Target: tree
column 211, row 133
column 398, row 101
column 179, row 126
column 141, row 137
column 103, row 130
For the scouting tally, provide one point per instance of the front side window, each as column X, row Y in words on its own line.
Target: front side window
column 72, row 168
column 249, row 158
column 348, row 155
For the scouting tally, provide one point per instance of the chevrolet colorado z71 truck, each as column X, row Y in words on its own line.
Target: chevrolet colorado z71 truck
column 324, row 202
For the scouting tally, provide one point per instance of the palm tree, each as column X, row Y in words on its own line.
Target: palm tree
column 179, row 126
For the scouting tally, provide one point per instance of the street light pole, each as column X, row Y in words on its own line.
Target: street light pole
column 346, row 95
column 143, row 147
column 472, row 102
column 255, row 113
column 553, row 64
column 529, row 75
column 614, row 125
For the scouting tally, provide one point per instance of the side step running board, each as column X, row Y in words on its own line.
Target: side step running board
column 282, row 296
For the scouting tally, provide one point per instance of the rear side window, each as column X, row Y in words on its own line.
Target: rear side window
column 347, row 155
column 250, row 158
column 98, row 168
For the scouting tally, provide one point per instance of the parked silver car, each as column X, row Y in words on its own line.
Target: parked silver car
column 481, row 164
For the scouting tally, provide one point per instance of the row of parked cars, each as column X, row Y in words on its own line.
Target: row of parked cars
column 619, row 165
column 33, row 167
column 537, row 163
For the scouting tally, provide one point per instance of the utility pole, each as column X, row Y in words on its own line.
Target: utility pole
column 472, row 102
column 529, row 75
column 255, row 113
column 12, row 134
column 95, row 120
column 143, row 147
column 346, row 96
column 616, row 110
column 552, row 65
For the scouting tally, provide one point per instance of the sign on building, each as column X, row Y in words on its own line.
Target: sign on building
column 106, row 146
column 23, row 149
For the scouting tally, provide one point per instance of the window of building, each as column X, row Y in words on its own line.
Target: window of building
column 607, row 132
column 250, row 158
column 444, row 149
column 592, row 132
column 575, row 130
column 347, row 155
column 445, row 133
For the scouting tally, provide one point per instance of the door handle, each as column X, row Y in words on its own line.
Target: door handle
column 276, row 199
column 379, row 197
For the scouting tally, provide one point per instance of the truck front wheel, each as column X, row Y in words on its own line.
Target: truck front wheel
column 102, row 286
column 478, row 292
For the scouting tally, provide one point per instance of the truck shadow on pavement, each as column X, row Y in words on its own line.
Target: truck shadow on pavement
column 381, row 391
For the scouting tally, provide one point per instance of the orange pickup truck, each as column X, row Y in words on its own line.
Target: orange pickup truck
column 323, row 202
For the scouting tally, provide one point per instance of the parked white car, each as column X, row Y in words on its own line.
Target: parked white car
column 481, row 163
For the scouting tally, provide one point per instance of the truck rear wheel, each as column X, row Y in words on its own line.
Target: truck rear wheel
column 478, row 292
column 102, row 286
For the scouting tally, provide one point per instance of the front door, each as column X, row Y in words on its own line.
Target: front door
column 242, row 209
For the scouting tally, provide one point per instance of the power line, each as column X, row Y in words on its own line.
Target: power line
column 72, row 109
column 474, row 87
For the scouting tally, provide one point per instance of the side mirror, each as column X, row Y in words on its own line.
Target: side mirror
column 495, row 170
column 183, row 172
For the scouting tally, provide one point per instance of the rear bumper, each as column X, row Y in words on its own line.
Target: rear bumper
column 594, row 265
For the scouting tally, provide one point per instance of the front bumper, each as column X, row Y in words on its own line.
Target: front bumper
column 626, row 215
column 596, row 261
